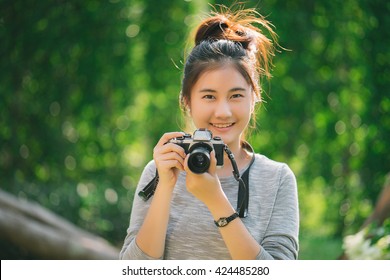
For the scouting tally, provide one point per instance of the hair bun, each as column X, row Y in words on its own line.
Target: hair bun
column 243, row 26
column 212, row 29
column 220, row 27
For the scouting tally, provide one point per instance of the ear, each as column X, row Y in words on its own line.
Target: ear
column 185, row 104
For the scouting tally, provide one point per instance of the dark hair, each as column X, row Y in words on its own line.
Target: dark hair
column 230, row 37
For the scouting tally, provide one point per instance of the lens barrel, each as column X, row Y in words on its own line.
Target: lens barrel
column 199, row 159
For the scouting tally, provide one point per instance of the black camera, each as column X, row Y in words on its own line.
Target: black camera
column 199, row 147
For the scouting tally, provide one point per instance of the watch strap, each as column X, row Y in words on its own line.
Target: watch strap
column 224, row 221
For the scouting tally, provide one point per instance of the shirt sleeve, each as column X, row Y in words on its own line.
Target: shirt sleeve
column 130, row 249
column 281, row 237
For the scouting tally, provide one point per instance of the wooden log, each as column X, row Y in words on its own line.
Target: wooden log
column 46, row 235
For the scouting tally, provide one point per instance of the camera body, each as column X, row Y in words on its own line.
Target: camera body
column 199, row 147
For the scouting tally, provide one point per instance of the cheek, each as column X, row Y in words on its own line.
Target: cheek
column 197, row 111
column 200, row 113
column 246, row 109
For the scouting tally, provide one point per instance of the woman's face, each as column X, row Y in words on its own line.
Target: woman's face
column 222, row 101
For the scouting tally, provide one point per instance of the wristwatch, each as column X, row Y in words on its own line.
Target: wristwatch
column 224, row 221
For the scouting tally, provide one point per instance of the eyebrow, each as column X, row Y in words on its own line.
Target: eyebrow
column 231, row 90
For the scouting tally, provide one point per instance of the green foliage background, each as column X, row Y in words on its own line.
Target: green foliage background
column 88, row 87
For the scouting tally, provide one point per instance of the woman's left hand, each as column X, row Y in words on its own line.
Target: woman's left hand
column 206, row 186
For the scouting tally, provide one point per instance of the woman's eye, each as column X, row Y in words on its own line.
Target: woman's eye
column 237, row 95
column 208, row 96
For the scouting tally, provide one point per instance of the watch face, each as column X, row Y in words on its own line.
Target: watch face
column 222, row 222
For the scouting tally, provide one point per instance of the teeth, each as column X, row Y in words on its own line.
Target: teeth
column 222, row 125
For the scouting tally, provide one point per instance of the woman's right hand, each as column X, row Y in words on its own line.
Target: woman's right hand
column 169, row 159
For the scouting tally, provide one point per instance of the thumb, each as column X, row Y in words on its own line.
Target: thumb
column 186, row 168
column 213, row 163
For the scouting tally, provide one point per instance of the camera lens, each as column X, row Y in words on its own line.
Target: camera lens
column 199, row 160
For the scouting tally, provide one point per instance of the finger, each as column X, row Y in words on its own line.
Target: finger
column 169, row 148
column 171, row 156
column 164, row 161
column 169, row 164
column 168, row 136
column 185, row 164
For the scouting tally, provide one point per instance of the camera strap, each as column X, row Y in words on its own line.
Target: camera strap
column 243, row 183
column 148, row 191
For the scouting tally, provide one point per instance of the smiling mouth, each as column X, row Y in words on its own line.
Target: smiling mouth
column 222, row 125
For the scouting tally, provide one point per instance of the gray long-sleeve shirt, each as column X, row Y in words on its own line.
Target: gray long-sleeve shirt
column 273, row 216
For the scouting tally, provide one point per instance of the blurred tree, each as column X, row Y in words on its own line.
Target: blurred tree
column 63, row 88
column 77, row 81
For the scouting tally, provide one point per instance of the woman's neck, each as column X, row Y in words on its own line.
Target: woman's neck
column 242, row 158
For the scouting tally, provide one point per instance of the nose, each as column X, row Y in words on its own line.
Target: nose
column 223, row 110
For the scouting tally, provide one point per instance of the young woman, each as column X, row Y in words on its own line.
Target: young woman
column 194, row 216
